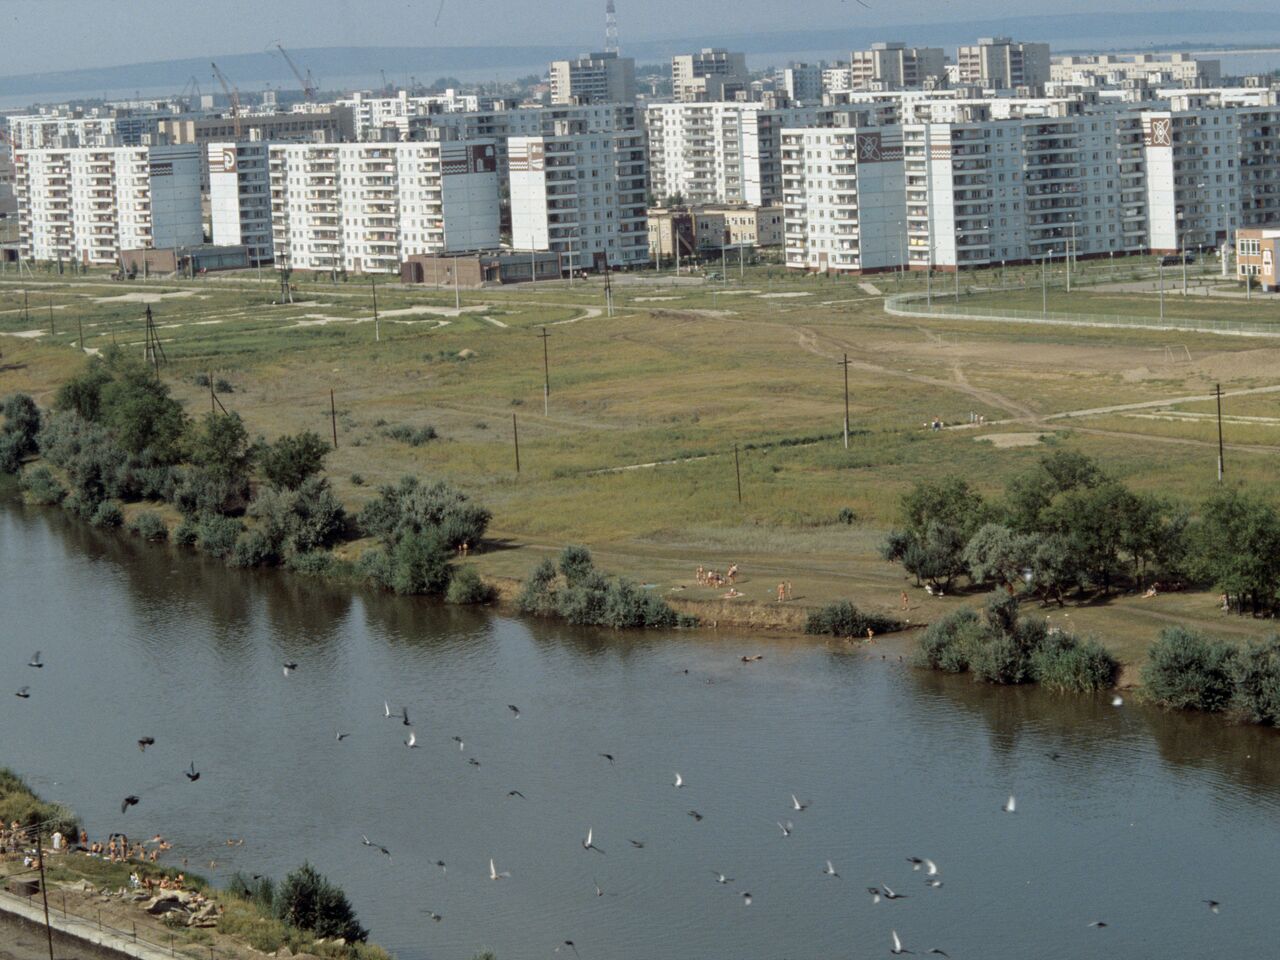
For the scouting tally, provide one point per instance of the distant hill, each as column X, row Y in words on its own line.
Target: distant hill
column 341, row 64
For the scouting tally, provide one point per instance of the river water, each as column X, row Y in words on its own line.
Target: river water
column 1138, row 818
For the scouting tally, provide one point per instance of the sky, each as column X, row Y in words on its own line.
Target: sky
column 66, row 34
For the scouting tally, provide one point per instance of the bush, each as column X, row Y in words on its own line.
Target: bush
column 584, row 604
column 948, row 644
column 466, row 587
column 41, row 487
column 411, row 506
column 576, row 565
column 846, row 516
column 1189, row 671
column 290, row 460
column 1064, row 663
column 21, row 419
column 254, row 548
column 1256, row 676
column 316, row 563
column 843, row 619
column 538, row 595
column 223, row 386
column 218, row 534
column 300, row 521
column 18, row 802
column 627, row 605
column 310, row 902
column 418, row 565
column 357, row 480
column 415, row 437
column 108, row 515
column 149, row 526
column 186, row 533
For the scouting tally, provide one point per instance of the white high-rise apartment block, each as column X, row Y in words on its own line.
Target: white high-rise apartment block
column 240, row 197
column 802, row 83
column 1181, row 69
column 710, row 153
column 895, row 66
column 711, row 74
column 581, row 195
column 843, row 198
column 90, row 203
column 598, row 78
column 374, row 117
column 365, row 207
column 999, row 63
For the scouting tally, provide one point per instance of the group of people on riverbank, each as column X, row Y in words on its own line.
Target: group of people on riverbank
column 17, row 840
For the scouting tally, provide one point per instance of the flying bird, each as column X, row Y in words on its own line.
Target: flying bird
column 36, row 661
column 588, row 845
column 145, row 742
column 608, row 756
column 516, row 793
column 897, row 947
column 797, row 805
column 24, row 693
column 495, row 875
column 412, row 741
column 890, row 895
column 746, row 899
column 193, row 774
column 458, row 741
column 441, row 865
column 340, row 736
column 473, row 761
column 875, row 894
column 404, row 716
column 386, row 709
column 932, row 882
column 941, row 953
column 1117, row 701
column 290, row 666
column 570, row 945
column 638, row 844
column 1098, row 923
column 786, row 828
column 755, row 658
column 721, row 878
column 679, row 780
column 596, row 884
column 697, row 817
column 377, row 846
column 129, row 801
column 514, row 709
column 1010, row 805
column 830, row 871
column 434, row 916
column 1213, row 905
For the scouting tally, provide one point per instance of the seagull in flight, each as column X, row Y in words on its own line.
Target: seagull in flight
column 897, row 948
column 941, row 953
column 596, row 884
column 514, row 709
column 443, row 868
column 697, row 817
column 679, row 780
column 473, row 761
column 786, row 828
column 145, row 742
column 495, row 875
column 340, row 736
column 404, row 716
column 516, row 793
column 932, row 882
column 290, row 666
column 129, row 801
column 434, row 916
column 875, row 894
column 746, row 899
column 1117, row 701
column 830, row 870
column 1098, row 923
column 1010, row 805
column 458, row 741
column 386, row 709
column 1213, row 905
column 412, row 741
column 890, row 895
column 377, row 846
column 797, row 805
column 609, row 757
column 721, row 878
column 24, row 693
column 36, row 661
column 193, row 774
column 638, row 844
column 588, row 845
column 570, row 945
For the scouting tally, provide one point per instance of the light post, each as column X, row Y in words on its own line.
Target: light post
column 1071, row 251
column 1160, row 263
column 1044, row 284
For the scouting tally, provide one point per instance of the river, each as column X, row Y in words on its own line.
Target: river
column 1130, row 815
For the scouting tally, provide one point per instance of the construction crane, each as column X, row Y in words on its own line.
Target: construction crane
column 192, row 85
column 232, row 94
column 308, row 82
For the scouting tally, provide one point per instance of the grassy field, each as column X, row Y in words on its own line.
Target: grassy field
column 635, row 456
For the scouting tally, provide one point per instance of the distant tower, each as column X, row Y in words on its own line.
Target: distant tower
column 610, row 28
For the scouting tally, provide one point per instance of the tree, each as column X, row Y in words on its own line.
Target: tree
column 308, row 901
column 995, row 554
column 950, row 501
column 1188, row 671
column 1236, row 547
column 413, row 507
column 141, row 415
column 293, row 458
column 420, row 565
column 82, row 394
column 1030, row 494
column 220, row 445
column 575, row 565
column 937, row 557
column 1097, row 522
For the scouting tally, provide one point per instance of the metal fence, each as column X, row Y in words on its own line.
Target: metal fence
column 917, row 305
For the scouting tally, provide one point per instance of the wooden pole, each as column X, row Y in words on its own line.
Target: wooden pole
column 546, row 375
column 80, row 327
column 1218, row 391
column 212, row 399
column 44, row 893
column 845, row 363
column 515, row 433
column 333, row 418
column 377, row 328
column 737, row 470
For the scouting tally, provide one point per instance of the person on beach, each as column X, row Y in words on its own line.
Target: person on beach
column 789, row 595
column 782, row 592
column 905, row 603
column 733, row 573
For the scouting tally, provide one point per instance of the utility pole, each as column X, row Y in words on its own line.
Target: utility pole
column 1184, row 269
column 957, row 280
column 546, row 374
column 333, row 419
column 1217, row 389
column 44, row 892
column 1161, row 269
column 1044, row 286
column 515, row 433
column 80, row 327
column 457, row 294
column 377, row 328
column 742, row 266
column 845, row 363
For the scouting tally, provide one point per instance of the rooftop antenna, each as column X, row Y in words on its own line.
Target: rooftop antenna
column 610, row 27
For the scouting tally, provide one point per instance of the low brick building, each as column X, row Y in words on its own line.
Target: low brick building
column 1256, row 254
column 477, row 269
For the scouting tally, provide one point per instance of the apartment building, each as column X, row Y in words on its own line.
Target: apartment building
column 895, row 66
column 1000, row 63
column 38, row 131
column 365, row 207
column 710, row 74
column 844, row 198
column 1177, row 69
column 383, row 118
column 582, row 195
column 331, row 124
column 802, row 83
column 90, row 203
column 594, row 78
column 240, row 197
